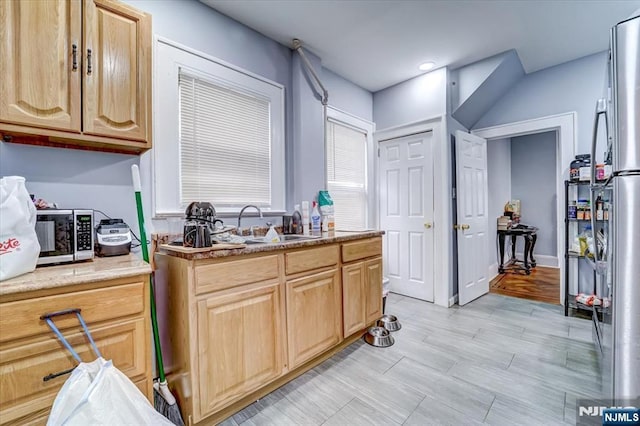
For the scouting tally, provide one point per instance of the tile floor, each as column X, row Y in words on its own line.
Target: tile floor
column 498, row 360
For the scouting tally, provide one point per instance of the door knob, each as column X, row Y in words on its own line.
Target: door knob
column 464, row 226
column 428, row 225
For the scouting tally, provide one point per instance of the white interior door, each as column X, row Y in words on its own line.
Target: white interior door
column 472, row 189
column 406, row 214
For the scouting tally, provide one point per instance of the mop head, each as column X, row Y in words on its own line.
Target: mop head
column 170, row 411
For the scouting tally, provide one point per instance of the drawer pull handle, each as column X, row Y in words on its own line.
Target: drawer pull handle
column 74, row 52
column 47, row 318
column 54, row 375
column 44, row 317
column 89, row 62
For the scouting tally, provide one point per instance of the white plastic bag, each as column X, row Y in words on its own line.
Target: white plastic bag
column 19, row 247
column 97, row 393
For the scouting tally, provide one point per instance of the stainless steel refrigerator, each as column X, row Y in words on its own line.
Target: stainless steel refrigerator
column 617, row 323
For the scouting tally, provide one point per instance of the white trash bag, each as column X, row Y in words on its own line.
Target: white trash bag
column 97, row 393
column 19, row 247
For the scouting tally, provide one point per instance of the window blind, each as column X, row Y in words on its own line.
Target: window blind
column 347, row 175
column 225, row 144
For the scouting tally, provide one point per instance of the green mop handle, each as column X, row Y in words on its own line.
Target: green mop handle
column 145, row 255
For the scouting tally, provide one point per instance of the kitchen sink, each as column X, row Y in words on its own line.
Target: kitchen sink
column 255, row 241
column 298, row 237
column 283, row 239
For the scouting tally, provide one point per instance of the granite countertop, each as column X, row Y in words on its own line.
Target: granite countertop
column 326, row 238
column 99, row 269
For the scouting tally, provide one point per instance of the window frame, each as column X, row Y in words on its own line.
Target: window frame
column 368, row 128
column 169, row 58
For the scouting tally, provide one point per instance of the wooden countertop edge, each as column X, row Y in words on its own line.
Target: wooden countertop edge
column 100, row 269
column 342, row 236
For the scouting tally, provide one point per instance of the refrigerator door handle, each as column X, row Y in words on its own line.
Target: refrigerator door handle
column 593, row 209
column 601, row 109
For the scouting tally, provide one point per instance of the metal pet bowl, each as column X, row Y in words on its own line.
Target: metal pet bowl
column 389, row 322
column 378, row 337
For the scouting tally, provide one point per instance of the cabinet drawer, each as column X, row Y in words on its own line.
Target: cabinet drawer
column 309, row 259
column 22, row 318
column 22, row 368
column 361, row 249
column 219, row 276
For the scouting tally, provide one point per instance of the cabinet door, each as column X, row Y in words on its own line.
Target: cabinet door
column 314, row 315
column 373, row 289
column 40, row 85
column 240, row 344
column 116, row 73
column 353, row 297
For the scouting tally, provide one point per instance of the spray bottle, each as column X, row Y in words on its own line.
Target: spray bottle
column 315, row 218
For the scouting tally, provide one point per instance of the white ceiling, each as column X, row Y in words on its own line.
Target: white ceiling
column 378, row 43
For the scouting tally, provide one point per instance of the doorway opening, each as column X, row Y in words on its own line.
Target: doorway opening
column 560, row 133
column 522, row 169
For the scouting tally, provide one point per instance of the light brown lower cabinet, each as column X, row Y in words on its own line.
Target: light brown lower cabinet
column 314, row 315
column 354, row 296
column 31, row 357
column 361, row 283
column 241, row 325
column 373, row 289
column 361, row 294
column 240, row 343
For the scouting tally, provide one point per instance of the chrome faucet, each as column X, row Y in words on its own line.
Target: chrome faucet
column 239, row 230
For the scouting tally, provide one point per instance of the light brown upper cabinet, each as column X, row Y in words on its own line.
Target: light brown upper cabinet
column 75, row 73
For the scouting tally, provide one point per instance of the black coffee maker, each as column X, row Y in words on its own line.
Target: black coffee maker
column 200, row 218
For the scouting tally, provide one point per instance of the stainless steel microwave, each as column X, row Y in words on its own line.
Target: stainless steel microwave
column 64, row 235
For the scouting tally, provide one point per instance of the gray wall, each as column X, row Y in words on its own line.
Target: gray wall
column 417, row 99
column 533, row 182
column 74, row 178
column 572, row 86
column 346, row 96
column 470, row 77
column 309, row 151
column 199, row 27
column 499, row 184
column 492, row 87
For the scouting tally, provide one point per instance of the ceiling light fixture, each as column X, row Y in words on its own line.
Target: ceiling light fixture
column 426, row 66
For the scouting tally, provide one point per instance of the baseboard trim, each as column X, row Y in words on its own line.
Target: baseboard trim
column 453, row 300
column 543, row 260
column 493, row 271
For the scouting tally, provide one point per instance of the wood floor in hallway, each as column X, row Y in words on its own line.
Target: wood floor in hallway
column 543, row 285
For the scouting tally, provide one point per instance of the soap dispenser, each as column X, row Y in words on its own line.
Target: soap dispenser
column 272, row 235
